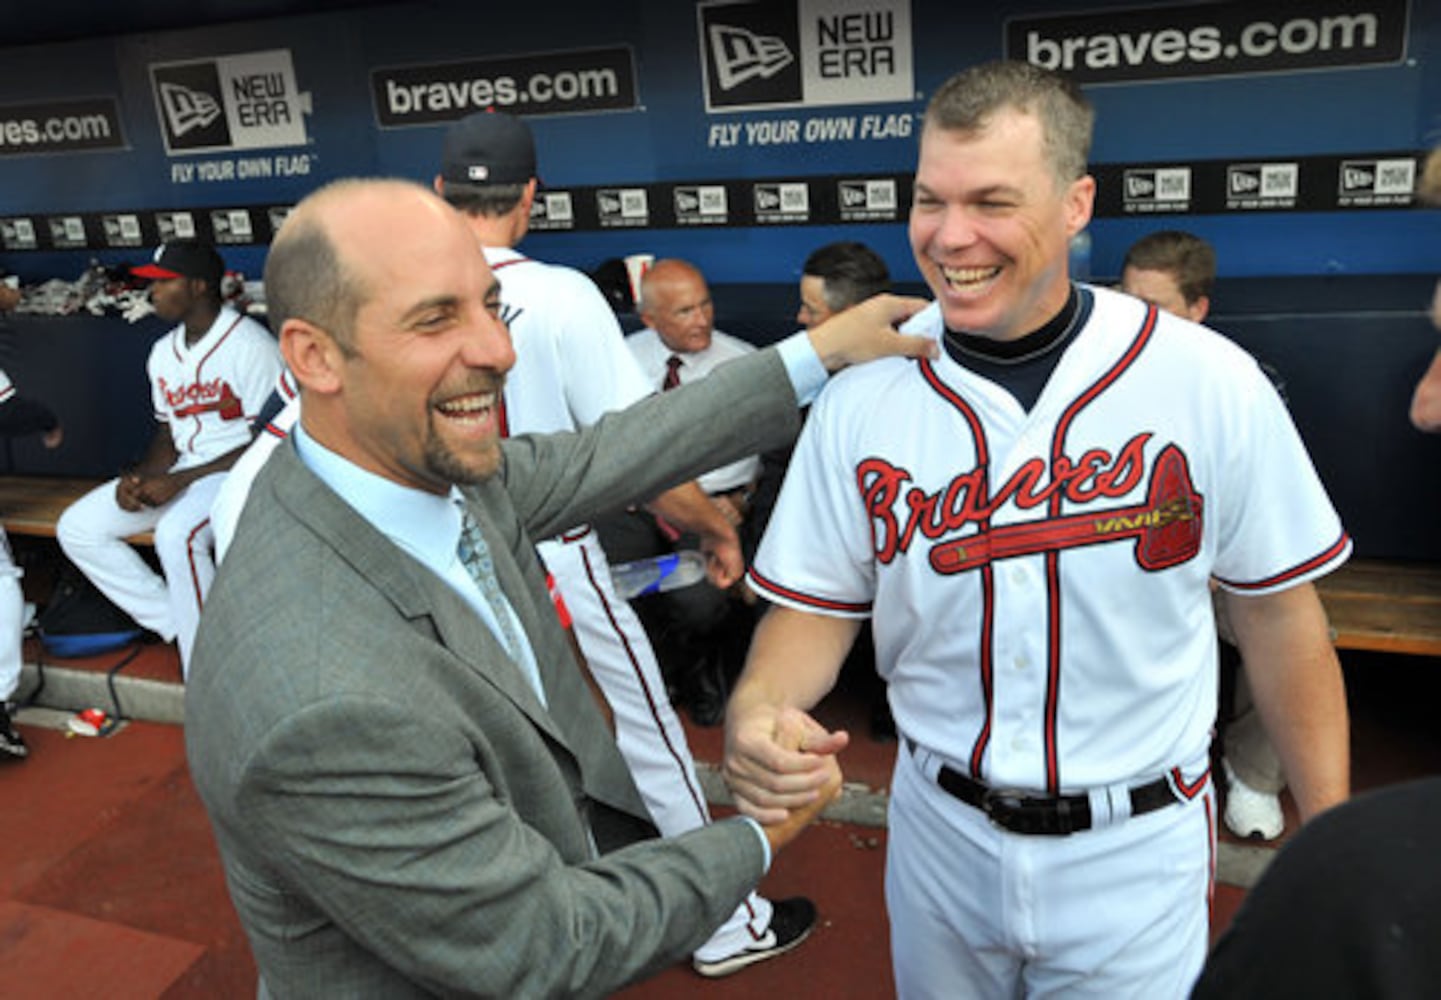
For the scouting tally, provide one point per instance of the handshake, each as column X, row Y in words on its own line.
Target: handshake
column 781, row 766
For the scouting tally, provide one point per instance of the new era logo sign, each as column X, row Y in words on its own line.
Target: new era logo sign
column 1380, row 177
column 1167, row 184
column 187, row 110
column 853, row 194
column 244, row 101
column 192, row 107
column 1272, row 181
column 1245, row 181
column 740, row 55
column 749, row 51
column 705, row 202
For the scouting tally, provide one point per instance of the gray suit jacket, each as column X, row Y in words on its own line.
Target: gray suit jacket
column 398, row 813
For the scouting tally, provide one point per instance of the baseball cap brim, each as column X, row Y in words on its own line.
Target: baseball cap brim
column 153, row 271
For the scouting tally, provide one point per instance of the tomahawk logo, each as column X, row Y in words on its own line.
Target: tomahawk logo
column 742, row 55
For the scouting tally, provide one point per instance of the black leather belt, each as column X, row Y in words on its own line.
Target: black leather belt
column 1043, row 816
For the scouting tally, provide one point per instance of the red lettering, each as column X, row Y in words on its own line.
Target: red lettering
column 963, row 501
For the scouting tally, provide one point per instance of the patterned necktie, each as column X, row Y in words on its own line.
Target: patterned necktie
column 672, row 373
column 474, row 555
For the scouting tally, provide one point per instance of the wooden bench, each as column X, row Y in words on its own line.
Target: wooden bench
column 31, row 505
column 1384, row 606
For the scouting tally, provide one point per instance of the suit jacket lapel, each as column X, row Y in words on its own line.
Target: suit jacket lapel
column 417, row 593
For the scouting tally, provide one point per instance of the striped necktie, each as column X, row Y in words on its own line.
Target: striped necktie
column 474, row 555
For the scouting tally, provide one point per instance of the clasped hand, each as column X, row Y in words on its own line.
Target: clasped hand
column 781, row 766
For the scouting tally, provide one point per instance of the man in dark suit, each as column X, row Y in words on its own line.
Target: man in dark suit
column 411, row 786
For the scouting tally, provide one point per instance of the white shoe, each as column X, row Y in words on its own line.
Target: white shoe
column 1249, row 812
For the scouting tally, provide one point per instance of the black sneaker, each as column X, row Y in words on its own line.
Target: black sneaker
column 791, row 923
column 11, row 744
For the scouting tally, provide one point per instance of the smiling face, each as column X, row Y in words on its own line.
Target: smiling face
column 414, row 395
column 990, row 225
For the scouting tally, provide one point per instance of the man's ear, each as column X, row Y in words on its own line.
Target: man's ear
column 1198, row 309
column 312, row 355
column 439, row 185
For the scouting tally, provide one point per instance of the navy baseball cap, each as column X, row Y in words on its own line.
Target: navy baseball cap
column 184, row 259
column 489, row 147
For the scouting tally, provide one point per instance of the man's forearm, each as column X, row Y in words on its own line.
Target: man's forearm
column 689, row 508
column 794, row 659
column 1298, row 689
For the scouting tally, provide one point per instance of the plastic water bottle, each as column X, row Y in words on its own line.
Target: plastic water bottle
column 1081, row 256
column 658, row 573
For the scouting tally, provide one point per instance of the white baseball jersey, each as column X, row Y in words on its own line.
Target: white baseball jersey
column 209, row 392
column 651, row 352
column 570, row 368
column 1038, row 582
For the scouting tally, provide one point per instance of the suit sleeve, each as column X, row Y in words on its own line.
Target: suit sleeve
column 385, row 819
column 558, row 481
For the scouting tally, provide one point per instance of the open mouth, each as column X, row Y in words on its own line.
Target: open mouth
column 970, row 280
column 471, row 410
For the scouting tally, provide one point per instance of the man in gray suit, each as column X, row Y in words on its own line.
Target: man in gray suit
column 411, row 786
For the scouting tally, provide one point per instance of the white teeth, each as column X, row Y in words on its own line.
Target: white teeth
column 469, row 404
column 969, row 275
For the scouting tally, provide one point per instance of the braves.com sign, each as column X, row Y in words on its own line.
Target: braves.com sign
column 769, row 54
column 1212, row 39
column 246, row 101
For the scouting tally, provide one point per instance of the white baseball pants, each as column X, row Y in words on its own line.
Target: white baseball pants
column 976, row 911
column 647, row 729
column 12, row 614
column 92, row 533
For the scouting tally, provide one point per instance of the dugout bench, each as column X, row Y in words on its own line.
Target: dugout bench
column 31, row 505
column 1373, row 604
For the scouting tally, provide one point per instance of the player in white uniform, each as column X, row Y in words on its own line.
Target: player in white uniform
column 208, row 379
column 18, row 415
column 1032, row 522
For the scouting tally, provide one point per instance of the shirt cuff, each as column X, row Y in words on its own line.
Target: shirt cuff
column 765, row 843
column 803, row 366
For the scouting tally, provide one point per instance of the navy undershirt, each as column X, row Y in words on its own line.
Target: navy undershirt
column 1023, row 366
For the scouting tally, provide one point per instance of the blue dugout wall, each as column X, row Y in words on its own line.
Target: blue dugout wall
column 741, row 135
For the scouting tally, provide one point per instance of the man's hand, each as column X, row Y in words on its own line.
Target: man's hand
column 157, row 490
column 868, row 331
column 53, row 437
column 127, row 492
column 780, row 763
column 724, row 562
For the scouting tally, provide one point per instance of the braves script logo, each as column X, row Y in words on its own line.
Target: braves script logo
column 196, row 398
column 1167, row 525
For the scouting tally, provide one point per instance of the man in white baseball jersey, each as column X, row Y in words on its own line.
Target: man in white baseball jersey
column 1176, row 271
column 18, row 415
column 1032, row 522
column 703, row 628
column 208, row 379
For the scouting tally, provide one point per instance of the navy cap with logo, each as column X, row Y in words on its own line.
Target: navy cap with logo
column 489, row 147
column 184, row 259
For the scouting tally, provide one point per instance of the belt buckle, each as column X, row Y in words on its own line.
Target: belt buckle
column 1005, row 807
